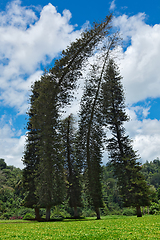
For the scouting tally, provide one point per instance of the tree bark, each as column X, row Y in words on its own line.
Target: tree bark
column 76, row 212
column 48, row 212
column 148, row 210
column 37, row 216
column 139, row 213
column 98, row 213
column 143, row 211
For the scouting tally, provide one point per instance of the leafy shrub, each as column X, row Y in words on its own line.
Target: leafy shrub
column 28, row 216
column 154, row 208
column 129, row 212
column 59, row 213
column 23, row 211
column 6, row 215
column 88, row 213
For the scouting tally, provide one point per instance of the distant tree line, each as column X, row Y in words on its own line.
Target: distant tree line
column 12, row 195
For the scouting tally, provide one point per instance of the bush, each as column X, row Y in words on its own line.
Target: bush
column 28, row 216
column 88, row 213
column 6, row 215
column 154, row 208
column 59, row 213
column 129, row 212
column 23, row 211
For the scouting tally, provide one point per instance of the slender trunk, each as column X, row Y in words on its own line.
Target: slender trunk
column 76, row 212
column 48, row 212
column 37, row 216
column 139, row 213
column 98, row 213
column 148, row 210
column 143, row 211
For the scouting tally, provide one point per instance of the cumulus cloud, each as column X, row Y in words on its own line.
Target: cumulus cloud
column 27, row 42
column 144, row 133
column 11, row 143
column 140, row 61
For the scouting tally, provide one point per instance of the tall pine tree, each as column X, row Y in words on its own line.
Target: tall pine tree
column 91, row 126
column 132, row 186
column 31, row 160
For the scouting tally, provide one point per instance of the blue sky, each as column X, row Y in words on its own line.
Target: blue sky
column 33, row 33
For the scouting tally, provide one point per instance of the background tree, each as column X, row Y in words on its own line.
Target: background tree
column 73, row 163
column 132, row 185
column 91, row 126
column 2, row 164
column 31, row 158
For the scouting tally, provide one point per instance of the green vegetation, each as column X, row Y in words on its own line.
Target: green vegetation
column 12, row 196
column 114, row 227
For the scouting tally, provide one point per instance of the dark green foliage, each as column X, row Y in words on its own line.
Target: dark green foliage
column 73, row 162
column 11, row 198
column 31, row 156
column 11, row 193
column 2, row 164
column 151, row 171
column 132, row 185
column 50, row 175
column 113, row 202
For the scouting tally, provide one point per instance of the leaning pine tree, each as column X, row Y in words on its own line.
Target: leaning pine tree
column 54, row 93
column 91, row 145
column 91, row 125
column 132, row 185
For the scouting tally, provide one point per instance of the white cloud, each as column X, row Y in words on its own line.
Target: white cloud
column 11, row 143
column 112, row 6
column 145, row 135
column 139, row 63
column 26, row 42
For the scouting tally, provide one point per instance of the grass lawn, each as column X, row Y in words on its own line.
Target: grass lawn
column 110, row 227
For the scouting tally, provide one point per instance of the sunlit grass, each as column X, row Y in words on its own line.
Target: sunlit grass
column 111, row 227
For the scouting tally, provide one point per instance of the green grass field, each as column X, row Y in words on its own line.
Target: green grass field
column 110, row 227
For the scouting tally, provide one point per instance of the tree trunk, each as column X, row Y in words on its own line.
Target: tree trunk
column 98, row 213
column 143, row 211
column 48, row 212
column 139, row 213
column 76, row 212
column 37, row 216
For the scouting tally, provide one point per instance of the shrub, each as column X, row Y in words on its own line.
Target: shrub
column 59, row 213
column 28, row 216
column 129, row 212
column 88, row 213
column 6, row 215
column 154, row 208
